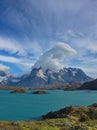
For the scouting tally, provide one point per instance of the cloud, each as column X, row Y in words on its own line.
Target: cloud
column 24, row 64
column 11, row 46
column 54, row 58
column 34, row 19
column 85, row 59
column 34, row 47
column 25, row 54
column 90, row 71
column 34, row 25
column 9, row 59
column 42, row 18
column 85, row 44
column 4, row 68
column 17, row 61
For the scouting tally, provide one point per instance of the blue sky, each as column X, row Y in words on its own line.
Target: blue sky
column 29, row 28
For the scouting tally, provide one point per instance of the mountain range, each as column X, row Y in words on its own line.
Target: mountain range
column 38, row 77
column 3, row 75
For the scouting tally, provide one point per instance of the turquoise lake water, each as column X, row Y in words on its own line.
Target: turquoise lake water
column 30, row 106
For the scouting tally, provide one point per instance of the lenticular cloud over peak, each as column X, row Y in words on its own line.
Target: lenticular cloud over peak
column 54, row 58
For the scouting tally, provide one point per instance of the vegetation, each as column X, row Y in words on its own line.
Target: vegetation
column 16, row 91
column 75, row 118
column 83, row 113
column 40, row 92
column 70, row 123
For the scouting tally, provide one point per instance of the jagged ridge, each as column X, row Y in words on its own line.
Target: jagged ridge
column 39, row 77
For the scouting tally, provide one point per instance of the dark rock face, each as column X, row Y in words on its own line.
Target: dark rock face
column 84, row 113
column 58, row 114
column 40, row 92
column 93, row 105
column 92, row 85
column 38, row 77
column 74, row 75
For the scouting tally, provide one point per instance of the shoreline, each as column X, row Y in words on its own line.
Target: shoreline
column 68, row 118
column 43, row 88
column 72, row 87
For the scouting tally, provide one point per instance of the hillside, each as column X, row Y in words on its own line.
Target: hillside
column 92, row 85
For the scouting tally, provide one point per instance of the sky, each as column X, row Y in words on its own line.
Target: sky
column 57, row 33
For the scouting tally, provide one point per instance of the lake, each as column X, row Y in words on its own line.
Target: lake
column 31, row 106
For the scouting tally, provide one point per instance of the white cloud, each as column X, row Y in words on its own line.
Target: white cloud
column 24, row 64
column 86, row 56
column 71, row 33
column 85, row 44
column 90, row 71
column 54, row 58
column 4, row 68
column 18, row 61
column 11, row 45
column 34, row 20
column 9, row 59
column 34, row 47
column 21, row 48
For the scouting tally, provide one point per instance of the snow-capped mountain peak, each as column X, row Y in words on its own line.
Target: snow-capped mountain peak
column 3, row 75
column 38, row 77
column 40, row 73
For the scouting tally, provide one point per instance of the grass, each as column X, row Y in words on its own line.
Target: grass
column 71, row 123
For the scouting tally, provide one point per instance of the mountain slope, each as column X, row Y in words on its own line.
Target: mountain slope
column 39, row 77
column 74, row 75
column 35, row 78
column 3, row 75
column 89, row 85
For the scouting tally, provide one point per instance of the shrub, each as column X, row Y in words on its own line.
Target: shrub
column 93, row 113
column 16, row 91
column 84, row 117
column 47, row 128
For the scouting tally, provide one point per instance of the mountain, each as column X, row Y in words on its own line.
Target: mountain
column 92, row 85
column 35, row 78
column 74, row 75
column 12, row 80
column 39, row 77
column 3, row 75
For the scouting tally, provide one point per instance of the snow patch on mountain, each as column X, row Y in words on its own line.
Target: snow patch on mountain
column 38, row 77
column 40, row 74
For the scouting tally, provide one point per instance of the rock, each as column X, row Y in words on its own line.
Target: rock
column 40, row 92
column 94, row 105
column 63, row 113
column 84, row 113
